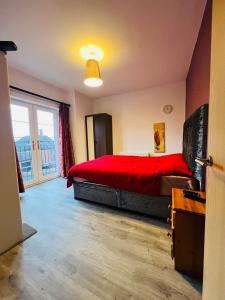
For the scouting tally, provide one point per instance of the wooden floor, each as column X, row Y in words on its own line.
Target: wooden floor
column 86, row 251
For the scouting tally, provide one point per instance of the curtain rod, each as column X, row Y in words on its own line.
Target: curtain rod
column 36, row 95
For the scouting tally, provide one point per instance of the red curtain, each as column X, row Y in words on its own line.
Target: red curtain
column 19, row 174
column 65, row 141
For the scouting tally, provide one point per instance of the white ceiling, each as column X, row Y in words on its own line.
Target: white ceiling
column 146, row 42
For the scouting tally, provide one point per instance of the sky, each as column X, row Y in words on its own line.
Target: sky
column 22, row 126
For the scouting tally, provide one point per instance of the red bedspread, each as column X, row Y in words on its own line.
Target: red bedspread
column 132, row 173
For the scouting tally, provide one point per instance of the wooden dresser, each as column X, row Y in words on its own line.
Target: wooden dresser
column 187, row 233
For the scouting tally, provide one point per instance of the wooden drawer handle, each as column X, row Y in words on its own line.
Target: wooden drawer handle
column 169, row 234
column 168, row 220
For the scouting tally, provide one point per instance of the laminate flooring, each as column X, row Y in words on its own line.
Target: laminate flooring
column 86, row 251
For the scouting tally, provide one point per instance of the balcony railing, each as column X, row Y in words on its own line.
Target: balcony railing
column 47, row 157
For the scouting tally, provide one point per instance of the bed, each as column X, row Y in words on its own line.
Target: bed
column 154, row 199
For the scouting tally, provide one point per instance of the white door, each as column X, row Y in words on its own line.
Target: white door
column 214, row 257
column 21, row 114
column 47, row 142
column 35, row 130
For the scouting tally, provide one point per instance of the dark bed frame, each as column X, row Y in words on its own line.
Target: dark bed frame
column 194, row 145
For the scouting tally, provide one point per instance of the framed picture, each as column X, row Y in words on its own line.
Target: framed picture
column 159, row 137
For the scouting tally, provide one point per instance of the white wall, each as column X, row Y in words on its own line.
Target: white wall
column 134, row 113
column 27, row 82
column 10, row 217
column 80, row 105
column 83, row 106
column 30, row 83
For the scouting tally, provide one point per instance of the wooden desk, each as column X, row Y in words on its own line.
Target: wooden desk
column 187, row 232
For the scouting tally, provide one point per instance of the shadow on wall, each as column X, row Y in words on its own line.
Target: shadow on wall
column 198, row 78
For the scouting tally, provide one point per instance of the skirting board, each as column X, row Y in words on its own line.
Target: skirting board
column 27, row 232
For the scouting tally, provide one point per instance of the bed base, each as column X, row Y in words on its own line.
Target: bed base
column 149, row 205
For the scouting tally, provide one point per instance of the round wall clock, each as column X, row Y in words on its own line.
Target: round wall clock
column 168, row 108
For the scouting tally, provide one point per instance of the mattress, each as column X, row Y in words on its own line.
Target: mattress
column 167, row 183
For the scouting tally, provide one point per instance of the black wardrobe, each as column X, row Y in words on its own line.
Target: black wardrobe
column 98, row 135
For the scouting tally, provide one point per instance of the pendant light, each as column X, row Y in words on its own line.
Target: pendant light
column 92, row 74
column 92, row 55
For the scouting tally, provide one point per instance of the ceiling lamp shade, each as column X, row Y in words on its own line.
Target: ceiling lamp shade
column 92, row 74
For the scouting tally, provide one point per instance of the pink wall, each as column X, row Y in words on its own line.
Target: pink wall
column 198, row 78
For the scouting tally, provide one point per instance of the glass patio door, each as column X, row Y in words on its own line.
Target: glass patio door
column 47, row 141
column 35, row 131
column 21, row 115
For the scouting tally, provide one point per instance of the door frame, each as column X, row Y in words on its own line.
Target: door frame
column 32, row 110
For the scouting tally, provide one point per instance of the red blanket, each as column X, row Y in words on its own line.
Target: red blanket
column 132, row 173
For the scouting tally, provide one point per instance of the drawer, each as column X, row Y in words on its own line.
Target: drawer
column 172, row 253
column 171, row 220
column 150, row 205
column 171, row 233
column 173, row 244
column 96, row 193
column 173, row 217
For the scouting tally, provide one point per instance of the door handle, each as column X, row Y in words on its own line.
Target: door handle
column 205, row 161
column 38, row 145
